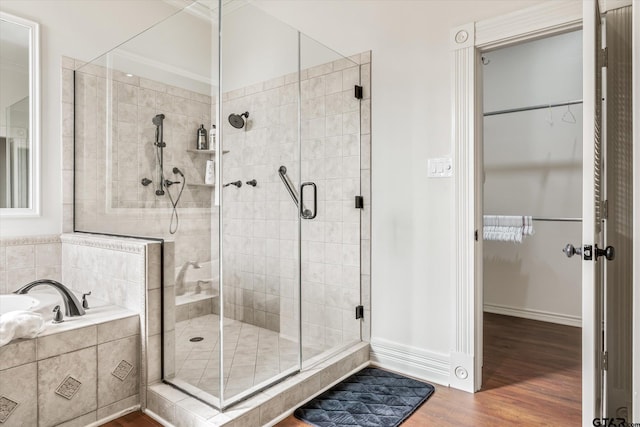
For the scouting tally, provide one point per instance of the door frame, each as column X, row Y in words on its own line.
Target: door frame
column 466, row 44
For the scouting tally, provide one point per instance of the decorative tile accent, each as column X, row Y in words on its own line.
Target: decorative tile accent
column 122, row 370
column 30, row 240
column 7, row 406
column 68, row 388
column 119, row 244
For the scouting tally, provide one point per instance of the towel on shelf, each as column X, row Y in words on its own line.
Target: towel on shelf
column 19, row 324
column 505, row 228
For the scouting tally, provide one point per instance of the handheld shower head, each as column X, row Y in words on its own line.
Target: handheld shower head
column 158, row 119
column 178, row 171
column 237, row 120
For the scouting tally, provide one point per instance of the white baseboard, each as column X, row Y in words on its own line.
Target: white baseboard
column 411, row 361
column 112, row 417
column 527, row 313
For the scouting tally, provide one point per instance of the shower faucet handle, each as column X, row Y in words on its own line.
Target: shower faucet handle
column 252, row 183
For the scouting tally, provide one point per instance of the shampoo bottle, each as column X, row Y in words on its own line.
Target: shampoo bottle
column 209, row 174
column 212, row 137
column 202, row 138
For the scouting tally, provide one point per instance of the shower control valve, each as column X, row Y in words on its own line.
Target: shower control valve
column 85, row 303
column 57, row 315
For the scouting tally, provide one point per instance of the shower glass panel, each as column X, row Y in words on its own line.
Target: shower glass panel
column 259, row 57
column 330, row 164
column 137, row 113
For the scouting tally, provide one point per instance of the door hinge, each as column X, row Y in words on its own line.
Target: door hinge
column 604, row 58
column 357, row 92
column 359, row 202
column 605, row 209
column 605, row 360
column 359, row 312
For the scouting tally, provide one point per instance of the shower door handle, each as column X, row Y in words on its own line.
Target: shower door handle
column 307, row 213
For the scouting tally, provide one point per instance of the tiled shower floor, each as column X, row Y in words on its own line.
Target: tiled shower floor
column 251, row 354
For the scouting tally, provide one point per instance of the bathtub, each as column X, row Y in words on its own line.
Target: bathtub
column 88, row 350
column 38, row 301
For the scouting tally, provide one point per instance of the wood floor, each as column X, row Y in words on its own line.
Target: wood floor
column 532, row 377
column 134, row 419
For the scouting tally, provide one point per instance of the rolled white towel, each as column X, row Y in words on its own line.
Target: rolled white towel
column 19, row 324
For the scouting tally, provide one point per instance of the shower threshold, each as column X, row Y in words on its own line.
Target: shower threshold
column 169, row 404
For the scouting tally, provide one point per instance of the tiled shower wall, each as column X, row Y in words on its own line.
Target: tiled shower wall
column 260, row 222
column 112, row 161
column 260, row 226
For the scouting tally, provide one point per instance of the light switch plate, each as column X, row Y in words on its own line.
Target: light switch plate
column 440, row 167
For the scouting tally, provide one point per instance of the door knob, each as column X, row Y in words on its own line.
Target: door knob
column 570, row 250
column 609, row 252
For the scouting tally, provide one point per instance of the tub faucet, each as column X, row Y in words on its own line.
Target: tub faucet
column 72, row 306
column 180, row 282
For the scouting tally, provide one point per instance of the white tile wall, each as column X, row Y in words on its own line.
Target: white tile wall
column 25, row 259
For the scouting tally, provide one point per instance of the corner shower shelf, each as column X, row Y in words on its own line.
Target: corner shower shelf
column 200, row 184
column 193, row 150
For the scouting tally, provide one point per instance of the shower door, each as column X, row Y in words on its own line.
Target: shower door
column 329, row 185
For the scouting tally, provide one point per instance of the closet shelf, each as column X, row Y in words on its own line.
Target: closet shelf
column 533, row 107
column 193, row 150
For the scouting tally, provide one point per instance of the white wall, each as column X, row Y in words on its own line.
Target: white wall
column 533, row 166
column 269, row 50
column 78, row 29
column 412, row 226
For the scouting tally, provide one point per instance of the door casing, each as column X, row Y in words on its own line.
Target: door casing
column 466, row 43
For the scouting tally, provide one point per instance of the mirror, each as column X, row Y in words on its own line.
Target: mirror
column 19, row 116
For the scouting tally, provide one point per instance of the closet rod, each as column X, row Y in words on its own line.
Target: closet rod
column 557, row 219
column 534, row 107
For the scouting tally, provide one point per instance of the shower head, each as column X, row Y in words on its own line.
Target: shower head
column 237, row 121
column 157, row 119
column 178, row 171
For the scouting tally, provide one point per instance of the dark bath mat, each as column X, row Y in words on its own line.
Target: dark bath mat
column 369, row 398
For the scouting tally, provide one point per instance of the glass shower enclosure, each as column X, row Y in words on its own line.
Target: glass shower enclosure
column 235, row 139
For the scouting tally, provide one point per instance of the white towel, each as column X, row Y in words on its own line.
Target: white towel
column 507, row 228
column 19, row 324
